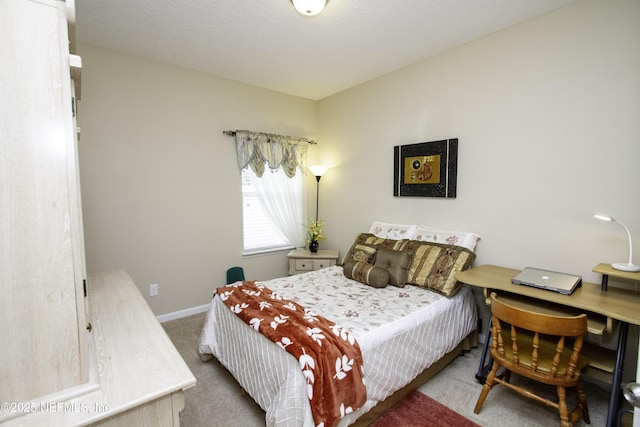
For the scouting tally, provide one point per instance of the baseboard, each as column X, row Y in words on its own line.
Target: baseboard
column 482, row 338
column 182, row 313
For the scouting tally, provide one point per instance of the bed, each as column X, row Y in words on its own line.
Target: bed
column 405, row 333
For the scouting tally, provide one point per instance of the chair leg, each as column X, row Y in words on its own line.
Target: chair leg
column 562, row 407
column 486, row 388
column 582, row 401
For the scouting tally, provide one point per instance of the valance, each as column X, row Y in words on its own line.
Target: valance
column 257, row 149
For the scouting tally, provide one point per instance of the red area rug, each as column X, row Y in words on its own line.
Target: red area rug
column 419, row 410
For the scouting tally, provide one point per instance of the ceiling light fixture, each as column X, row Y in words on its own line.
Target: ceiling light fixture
column 309, row 7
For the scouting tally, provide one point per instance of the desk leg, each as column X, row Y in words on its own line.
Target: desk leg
column 484, row 368
column 614, row 401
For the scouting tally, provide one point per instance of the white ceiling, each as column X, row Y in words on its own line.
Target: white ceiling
column 266, row 43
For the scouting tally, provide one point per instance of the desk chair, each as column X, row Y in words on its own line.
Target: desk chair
column 533, row 345
column 235, row 274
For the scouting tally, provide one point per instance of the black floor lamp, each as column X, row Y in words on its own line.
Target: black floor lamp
column 318, row 171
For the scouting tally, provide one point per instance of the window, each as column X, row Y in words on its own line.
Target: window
column 260, row 233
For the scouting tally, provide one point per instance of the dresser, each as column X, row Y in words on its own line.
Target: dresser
column 303, row 261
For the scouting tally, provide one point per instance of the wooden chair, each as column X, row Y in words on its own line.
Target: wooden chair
column 538, row 347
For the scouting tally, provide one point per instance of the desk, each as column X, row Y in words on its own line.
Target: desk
column 618, row 304
column 606, row 270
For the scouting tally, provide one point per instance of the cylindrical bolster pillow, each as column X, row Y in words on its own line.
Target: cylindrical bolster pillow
column 366, row 273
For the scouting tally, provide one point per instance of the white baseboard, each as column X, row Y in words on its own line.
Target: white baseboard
column 182, row 313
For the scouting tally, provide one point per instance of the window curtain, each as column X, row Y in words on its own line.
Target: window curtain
column 283, row 199
column 257, row 150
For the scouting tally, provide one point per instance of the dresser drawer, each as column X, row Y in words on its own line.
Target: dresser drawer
column 304, row 264
column 301, row 260
column 322, row 263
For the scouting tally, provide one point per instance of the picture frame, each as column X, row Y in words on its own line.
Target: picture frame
column 426, row 169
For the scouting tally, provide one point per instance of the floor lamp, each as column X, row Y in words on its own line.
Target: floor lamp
column 318, row 171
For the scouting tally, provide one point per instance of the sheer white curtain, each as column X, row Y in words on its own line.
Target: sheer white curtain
column 282, row 199
column 281, row 189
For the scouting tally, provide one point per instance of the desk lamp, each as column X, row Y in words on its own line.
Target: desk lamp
column 624, row 266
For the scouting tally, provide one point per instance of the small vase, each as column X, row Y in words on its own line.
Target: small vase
column 313, row 246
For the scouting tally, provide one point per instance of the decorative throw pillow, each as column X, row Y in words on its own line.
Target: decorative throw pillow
column 361, row 239
column 397, row 263
column 435, row 266
column 366, row 273
column 373, row 241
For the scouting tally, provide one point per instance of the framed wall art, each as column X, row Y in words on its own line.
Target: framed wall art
column 427, row 169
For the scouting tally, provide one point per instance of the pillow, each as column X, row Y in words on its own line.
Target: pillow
column 369, row 239
column 434, row 266
column 366, row 273
column 361, row 252
column 392, row 231
column 397, row 263
column 362, row 239
column 448, row 237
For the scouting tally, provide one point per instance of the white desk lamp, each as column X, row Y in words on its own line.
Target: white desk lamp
column 624, row 266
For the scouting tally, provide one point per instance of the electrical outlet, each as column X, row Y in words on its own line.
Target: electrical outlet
column 153, row 290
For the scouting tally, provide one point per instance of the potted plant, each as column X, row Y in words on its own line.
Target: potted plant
column 314, row 231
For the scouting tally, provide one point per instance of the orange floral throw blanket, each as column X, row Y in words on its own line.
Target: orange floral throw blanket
column 329, row 355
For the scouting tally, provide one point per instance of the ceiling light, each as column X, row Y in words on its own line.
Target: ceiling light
column 309, row 7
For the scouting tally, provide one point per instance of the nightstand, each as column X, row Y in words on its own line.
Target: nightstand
column 302, row 261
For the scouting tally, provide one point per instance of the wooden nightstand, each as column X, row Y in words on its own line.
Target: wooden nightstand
column 302, row 261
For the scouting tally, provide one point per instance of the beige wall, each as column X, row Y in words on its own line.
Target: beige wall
column 160, row 183
column 546, row 113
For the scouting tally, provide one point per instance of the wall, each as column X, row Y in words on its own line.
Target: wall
column 160, row 184
column 546, row 113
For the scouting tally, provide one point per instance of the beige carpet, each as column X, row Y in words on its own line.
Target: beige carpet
column 217, row 400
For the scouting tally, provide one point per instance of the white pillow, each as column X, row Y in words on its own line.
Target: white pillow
column 392, row 231
column 448, row 237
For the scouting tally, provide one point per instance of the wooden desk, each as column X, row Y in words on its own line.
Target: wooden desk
column 606, row 270
column 614, row 304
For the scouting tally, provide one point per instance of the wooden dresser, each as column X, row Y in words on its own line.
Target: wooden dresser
column 74, row 350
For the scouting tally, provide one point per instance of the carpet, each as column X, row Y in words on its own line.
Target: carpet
column 418, row 409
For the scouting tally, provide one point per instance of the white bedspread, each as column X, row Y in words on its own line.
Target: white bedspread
column 401, row 332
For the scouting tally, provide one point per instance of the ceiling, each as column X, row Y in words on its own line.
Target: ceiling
column 266, row 43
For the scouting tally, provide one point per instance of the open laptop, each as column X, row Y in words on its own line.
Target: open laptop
column 548, row 280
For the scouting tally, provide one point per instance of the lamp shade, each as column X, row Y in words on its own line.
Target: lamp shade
column 309, row 7
column 623, row 266
column 318, row 170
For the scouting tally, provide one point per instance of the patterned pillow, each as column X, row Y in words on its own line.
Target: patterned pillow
column 366, row 273
column 392, row 231
column 357, row 250
column 435, row 266
column 362, row 252
column 397, row 263
column 447, row 237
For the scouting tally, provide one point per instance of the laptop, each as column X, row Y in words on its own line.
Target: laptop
column 549, row 280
